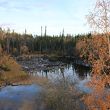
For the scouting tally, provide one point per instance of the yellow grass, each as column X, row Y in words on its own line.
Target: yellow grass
column 13, row 70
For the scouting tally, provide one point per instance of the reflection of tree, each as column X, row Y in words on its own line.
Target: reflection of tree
column 81, row 71
column 73, row 68
column 46, row 73
column 62, row 72
column 68, row 66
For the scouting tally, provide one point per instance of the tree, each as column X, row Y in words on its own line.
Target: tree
column 24, row 49
column 96, row 50
column 99, row 19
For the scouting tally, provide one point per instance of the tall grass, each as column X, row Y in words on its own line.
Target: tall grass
column 62, row 95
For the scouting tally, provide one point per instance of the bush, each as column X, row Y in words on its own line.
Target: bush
column 63, row 96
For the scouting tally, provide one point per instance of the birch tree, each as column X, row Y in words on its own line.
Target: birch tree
column 97, row 51
column 99, row 19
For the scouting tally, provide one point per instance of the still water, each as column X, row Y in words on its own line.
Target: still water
column 13, row 97
column 71, row 72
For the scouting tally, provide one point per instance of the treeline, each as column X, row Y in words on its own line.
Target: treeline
column 16, row 44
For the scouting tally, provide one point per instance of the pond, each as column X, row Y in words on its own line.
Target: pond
column 13, row 97
column 71, row 72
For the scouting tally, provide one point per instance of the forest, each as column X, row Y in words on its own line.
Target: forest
column 17, row 44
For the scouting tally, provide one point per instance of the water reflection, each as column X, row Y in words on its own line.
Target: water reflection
column 70, row 71
column 73, row 73
column 82, row 72
column 13, row 97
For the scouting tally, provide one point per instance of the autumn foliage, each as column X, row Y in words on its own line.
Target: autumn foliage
column 95, row 51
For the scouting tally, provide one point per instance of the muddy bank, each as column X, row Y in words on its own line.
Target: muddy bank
column 52, row 60
column 31, row 63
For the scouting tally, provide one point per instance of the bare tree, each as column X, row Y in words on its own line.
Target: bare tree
column 99, row 19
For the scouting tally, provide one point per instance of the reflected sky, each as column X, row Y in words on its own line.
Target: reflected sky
column 70, row 72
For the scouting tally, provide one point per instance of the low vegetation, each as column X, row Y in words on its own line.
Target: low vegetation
column 10, row 71
column 62, row 95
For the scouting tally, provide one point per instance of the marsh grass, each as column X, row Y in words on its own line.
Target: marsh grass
column 11, row 71
column 62, row 95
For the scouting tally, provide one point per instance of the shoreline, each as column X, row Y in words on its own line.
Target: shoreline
column 54, row 58
column 43, row 62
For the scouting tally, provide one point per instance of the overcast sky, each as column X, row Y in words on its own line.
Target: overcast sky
column 55, row 14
